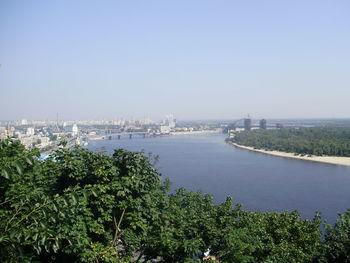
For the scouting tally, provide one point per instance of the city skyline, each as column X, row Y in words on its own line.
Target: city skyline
column 196, row 59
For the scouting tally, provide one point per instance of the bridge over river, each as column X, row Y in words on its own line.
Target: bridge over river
column 130, row 135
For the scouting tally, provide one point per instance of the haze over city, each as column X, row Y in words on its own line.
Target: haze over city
column 195, row 59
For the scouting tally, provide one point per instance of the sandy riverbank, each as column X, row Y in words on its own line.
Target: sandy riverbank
column 322, row 159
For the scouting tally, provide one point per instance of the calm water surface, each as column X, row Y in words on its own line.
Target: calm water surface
column 258, row 181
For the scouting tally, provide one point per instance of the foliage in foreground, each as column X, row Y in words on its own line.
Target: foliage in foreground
column 333, row 141
column 79, row 206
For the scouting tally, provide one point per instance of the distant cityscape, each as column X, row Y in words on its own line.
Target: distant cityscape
column 48, row 135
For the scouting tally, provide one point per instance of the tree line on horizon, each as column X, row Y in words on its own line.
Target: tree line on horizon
column 80, row 206
column 330, row 141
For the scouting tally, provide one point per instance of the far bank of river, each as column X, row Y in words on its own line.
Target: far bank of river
column 337, row 160
column 181, row 133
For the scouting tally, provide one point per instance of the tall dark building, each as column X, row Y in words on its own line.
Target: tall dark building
column 247, row 124
column 262, row 124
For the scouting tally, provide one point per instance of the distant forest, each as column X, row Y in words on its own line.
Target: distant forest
column 333, row 141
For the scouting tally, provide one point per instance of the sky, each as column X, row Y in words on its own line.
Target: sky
column 195, row 59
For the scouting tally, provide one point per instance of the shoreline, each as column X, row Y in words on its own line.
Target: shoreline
column 195, row 132
column 104, row 137
column 335, row 160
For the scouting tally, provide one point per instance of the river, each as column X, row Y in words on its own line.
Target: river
column 258, row 181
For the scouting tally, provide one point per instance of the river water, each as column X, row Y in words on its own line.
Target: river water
column 258, row 181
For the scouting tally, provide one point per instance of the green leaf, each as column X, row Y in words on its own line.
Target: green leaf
column 85, row 195
column 38, row 249
column 65, row 201
column 55, row 248
column 54, row 207
column 29, row 160
column 74, row 199
column 19, row 167
column 5, row 173
column 93, row 192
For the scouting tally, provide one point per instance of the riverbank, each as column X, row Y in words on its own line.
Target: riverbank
column 201, row 132
column 196, row 132
column 337, row 160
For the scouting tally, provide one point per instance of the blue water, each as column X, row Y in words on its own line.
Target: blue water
column 258, row 181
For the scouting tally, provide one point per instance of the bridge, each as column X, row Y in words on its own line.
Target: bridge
column 130, row 135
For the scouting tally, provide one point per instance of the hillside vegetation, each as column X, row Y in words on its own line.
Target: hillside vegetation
column 330, row 141
column 80, row 206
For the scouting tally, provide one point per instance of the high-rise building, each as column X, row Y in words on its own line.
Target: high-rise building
column 30, row 131
column 262, row 124
column 75, row 130
column 170, row 121
column 247, row 124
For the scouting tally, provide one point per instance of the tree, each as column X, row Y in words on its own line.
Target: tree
column 337, row 240
column 66, row 207
column 80, row 206
column 316, row 140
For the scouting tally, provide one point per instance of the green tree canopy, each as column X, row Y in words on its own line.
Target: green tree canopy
column 80, row 206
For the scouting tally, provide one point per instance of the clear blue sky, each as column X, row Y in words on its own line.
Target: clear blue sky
column 195, row 59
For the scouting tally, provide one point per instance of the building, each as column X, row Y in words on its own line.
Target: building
column 164, row 129
column 230, row 128
column 247, row 124
column 24, row 122
column 3, row 133
column 75, row 130
column 30, row 131
column 44, row 141
column 262, row 124
column 170, row 121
